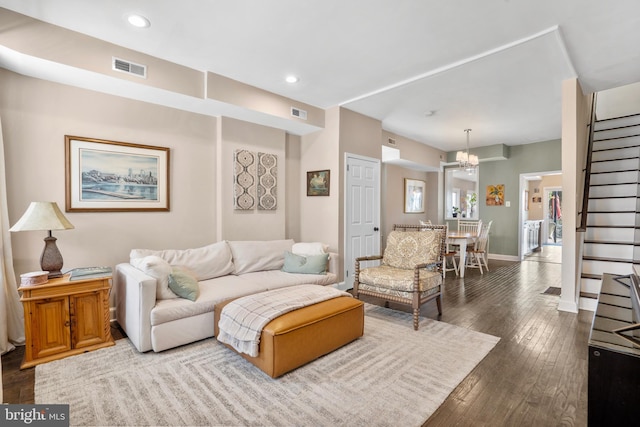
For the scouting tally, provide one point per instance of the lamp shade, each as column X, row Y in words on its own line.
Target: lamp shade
column 42, row 216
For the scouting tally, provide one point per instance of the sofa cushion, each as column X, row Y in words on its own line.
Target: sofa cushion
column 251, row 256
column 212, row 291
column 311, row 264
column 183, row 284
column 159, row 269
column 206, row 262
column 309, row 248
column 228, row 287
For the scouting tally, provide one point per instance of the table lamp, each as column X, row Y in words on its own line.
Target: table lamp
column 45, row 216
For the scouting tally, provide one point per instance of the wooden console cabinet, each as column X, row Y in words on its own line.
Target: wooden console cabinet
column 63, row 318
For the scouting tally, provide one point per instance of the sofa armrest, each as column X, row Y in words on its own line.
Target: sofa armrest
column 135, row 298
column 334, row 263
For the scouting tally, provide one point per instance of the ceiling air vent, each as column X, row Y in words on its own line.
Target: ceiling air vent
column 129, row 68
column 296, row 112
column 391, row 141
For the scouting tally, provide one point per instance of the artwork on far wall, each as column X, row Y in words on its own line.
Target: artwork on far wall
column 414, row 195
column 267, row 175
column 318, row 183
column 255, row 180
column 495, row 195
column 244, row 188
column 111, row 176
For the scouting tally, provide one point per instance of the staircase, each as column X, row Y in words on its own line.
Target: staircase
column 612, row 239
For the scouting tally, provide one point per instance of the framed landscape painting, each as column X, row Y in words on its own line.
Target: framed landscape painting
column 318, row 183
column 103, row 176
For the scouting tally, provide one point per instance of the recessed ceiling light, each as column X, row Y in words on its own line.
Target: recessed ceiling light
column 138, row 21
column 292, row 79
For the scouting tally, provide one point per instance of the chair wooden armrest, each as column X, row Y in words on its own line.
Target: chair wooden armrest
column 368, row 258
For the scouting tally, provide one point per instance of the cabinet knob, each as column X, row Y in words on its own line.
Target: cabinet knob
column 596, row 353
column 67, row 323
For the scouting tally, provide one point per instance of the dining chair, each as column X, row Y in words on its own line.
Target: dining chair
column 466, row 226
column 477, row 254
column 469, row 226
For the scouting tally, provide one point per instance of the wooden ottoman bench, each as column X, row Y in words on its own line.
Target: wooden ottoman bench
column 300, row 336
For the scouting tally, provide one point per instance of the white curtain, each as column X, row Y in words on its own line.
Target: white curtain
column 11, row 314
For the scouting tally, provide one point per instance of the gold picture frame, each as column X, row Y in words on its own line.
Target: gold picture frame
column 112, row 176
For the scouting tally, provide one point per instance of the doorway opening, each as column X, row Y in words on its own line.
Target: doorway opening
column 553, row 216
column 541, row 216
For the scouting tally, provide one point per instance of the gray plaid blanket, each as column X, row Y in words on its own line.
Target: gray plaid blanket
column 241, row 321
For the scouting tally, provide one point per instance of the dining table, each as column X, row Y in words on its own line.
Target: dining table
column 461, row 239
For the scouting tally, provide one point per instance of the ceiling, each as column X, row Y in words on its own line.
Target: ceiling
column 495, row 66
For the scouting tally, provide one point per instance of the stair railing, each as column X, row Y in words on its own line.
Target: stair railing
column 582, row 227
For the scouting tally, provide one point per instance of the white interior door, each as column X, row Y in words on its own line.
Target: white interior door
column 362, row 212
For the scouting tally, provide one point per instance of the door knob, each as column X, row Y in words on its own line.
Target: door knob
column 376, row 229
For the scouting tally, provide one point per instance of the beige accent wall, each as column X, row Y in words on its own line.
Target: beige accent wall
column 294, row 186
column 393, row 197
column 320, row 214
column 423, row 155
column 250, row 224
column 47, row 41
column 36, row 115
column 237, row 93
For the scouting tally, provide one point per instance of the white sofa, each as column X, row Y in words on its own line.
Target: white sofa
column 155, row 318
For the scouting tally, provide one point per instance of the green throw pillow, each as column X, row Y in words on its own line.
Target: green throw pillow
column 312, row 264
column 183, row 284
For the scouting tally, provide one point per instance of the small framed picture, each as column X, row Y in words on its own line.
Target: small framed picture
column 414, row 195
column 318, row 183
column 103, row 176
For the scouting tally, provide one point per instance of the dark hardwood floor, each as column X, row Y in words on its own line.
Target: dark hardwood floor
column 535, row 376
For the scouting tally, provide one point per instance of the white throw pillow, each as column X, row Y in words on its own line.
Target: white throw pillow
column 311, row 248
column 159, row 269
column 206, row 262
column 263, row 255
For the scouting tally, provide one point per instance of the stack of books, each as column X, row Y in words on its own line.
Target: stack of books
column 89, row 273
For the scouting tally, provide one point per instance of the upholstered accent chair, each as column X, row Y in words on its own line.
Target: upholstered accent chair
column 410, row 271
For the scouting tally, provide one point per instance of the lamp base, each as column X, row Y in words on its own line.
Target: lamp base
column 51, row 258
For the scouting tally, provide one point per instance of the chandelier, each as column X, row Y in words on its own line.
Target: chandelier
column 467, row 161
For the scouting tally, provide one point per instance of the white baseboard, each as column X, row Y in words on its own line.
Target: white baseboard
column 501, row 257
column 589, row 304
column 568, row 306
column 112, row 314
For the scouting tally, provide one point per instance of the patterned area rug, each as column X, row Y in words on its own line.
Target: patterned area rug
column 393, row 375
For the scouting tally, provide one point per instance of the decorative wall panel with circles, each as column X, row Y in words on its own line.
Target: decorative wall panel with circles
column 267, row 182
column 244, row 182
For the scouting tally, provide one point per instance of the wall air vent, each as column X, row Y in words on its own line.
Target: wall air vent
column 391, row 141
column 296, row 112
column 129, row 67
